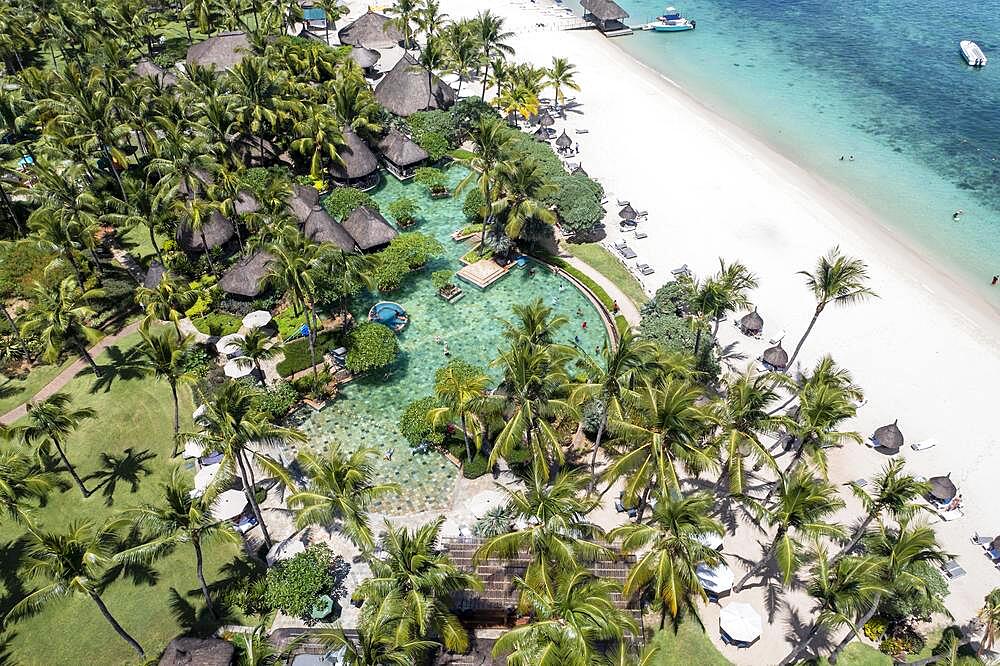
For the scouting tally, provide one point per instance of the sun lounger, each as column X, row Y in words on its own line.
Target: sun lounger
column 620, row 245
column 983, row 541
column 993, row 554
column 861, row 483
column 646, row 270
column 628, row 252
column 624, row 203
column 683, row 271
column 952, row 570
column 640, row 235
column 923, row 445
column 583, row 131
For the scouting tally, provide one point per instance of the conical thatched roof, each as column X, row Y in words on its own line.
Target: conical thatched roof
column 400, row 150
column 217, row 231
column 154, row 275
column 244, row 278
column 942, row 487
column 301, row 203
column 545, row 120
column 372, row 31
column 578, row 171
column 752, row 323
column 150, row 69
column 541, row 134
column 889, row 437
column 198, row 652
column 221, row 52
column 368, row 228
column 319, row 227
column 358, row 159
column 364, row 58
column 776, row 357
column 564, row 141
column 404, row 90
column 627, row 213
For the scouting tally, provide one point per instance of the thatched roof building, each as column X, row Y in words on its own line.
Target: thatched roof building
column 153, row 71
column 405, row 89
column 752, row 323
column 564, row 141
column 606, row 15
column 889, row 437
column 359, row 162
column 364, row 58
column 372, row 31
column 221, row 52
column 198, row 652
column 943, row 488
column 401, row 154
column 217, row 231
column 775, row 357
column 627, row 212
column 245, row 203
column 301, row 203
column 319, row 227
column 368, row 228
column 154, row 275
column 245, row 277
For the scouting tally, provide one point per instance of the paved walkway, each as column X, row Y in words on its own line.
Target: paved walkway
column 627, row 308
column 69, row 373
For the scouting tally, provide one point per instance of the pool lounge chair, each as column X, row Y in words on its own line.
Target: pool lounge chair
column 628, row 252
column 640, row 234
column 923, row 445
column 645, row 269
column 953, row 570
column 683, row 271
column 993, row 554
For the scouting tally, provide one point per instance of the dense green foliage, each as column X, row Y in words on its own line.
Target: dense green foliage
column 21, row 265
column 405, row 253
column 404, row 211
column 578, row 200
column 297, row 355
column 342, row 201
column 473, row 205
column 371, row 346
column 276, row 400
column 295, row 585
column 434, row 131
column 415, row 425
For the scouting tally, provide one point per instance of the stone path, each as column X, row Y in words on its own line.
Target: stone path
column 627, row 308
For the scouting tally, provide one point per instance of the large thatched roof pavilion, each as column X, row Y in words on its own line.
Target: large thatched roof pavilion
column 216, row 232
column 405, row 89
column 245, row 277
column 369, row 229
column 402, row 155
column 359, row 167
column 371, row 31
column 607, row 16
column 221, row 52
column 153, row 71
column 198, row 652
column 320, row 227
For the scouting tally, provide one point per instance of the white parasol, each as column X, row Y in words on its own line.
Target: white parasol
column 710, row 540
column 257, row 319
column 203, row 479
column 718, row 579
column 229, row 504
column 229, row 345
column 741, row 622
column 193, row 449
column 286, row 549
column 236, row 369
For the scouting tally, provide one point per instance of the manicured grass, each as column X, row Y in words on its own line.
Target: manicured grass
column 607, row 265
column 856, row 654
column 134, row 416
column 15, row 391
column 136, row 240
column 690, row 645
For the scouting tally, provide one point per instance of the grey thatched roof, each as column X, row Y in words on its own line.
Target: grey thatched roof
column 198, row 652
column 154, row 275
column 564, row 141
column 365, row 58
column 221, row 52
column 400, row 150
column 368, row 228
column 627, row 212
column 150, row 69
column 605, row 10
column 752, row 323
column 245, row 203
column 578, row 171
column 404, row 90
column 301, row 203
column 776, row 357
column 942, row 487
column 319, row 227
column 371, row 31
column 541, row 134
column 244, row 278
column 889, row 437
column 545, row 120
column 217, row 231
column 358, row 159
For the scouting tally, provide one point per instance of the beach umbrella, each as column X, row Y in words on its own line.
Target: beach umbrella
column 740, row 622
column 564, row 141
column 889, row 437
column 627, row 213
column 541, row 134
column 776, row 357
column 193, row 449
column 578, row 171
column 943, row 488
column 228, row 345
column 229, row 504
column 718, row 579
column 257, row 319
column 545, row 120
column 752, row 323
column 203, row 479
column 235, row 369
column 710, row 540
column 285, row 550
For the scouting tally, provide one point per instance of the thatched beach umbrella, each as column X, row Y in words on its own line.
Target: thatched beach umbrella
column 775, row 357
column 369, row 229
column 752, row 323
column 564, row 141
column 364, row 58
column 198, row 651
column 403, row 153
column 627, row 213
column 219, row 52
column 245, row 277
column 301, row 203
column 545, row 120
column 371, row 31
column 151, row 70
column 406, row 89
column 943, row 488
column 541, row 134
column 578, row 171
column 889, row 437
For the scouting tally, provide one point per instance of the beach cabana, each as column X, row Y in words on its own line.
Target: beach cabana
column 154, row 275
column 564, row 142
column 320, row 227
column 220, row 52
column 371, row 31
column 775, row 358
column 216, row 232
column 401, row 155
column 888, row 437
column 942, row 488
column 406, row 89
column 153, row 71
column 607, row 16
column 359, row 167
column 627, row 213
column 364, row 58
column 245, row 278
column 740, row 623
column 752, row 323
column 198, row 652
column 369, row 229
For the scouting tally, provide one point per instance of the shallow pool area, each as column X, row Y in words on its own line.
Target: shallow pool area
column 367, row 410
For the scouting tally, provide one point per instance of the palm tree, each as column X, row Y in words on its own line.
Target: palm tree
column 523, row 188
column 138, row 208
column 490, row 139
column 255, row 346
column 573, row 616
column 164, row 354
column 432, row 57
column 333, row 11
column 841, row 589
column 460, row 389
column 72, row 563
column 169, row 300
column 430, row 18
column 826, row 372
column 353, row 102
column 803, row 507
column 489, row 31
column 837, row 279
column 821, row 412
column 989, row 616
column 293, row 270
column 261, row 98
column 560, row 76
column 319, row 139
column 609, row 377
column 534, row 323
column 379, row 639
column 518, row 100
column 404, row 15
column 894, row 494
column 672, row 551
column 556, row 535
column 52, row 421
column 462, row 51
column 423, row 579
column 180, row 519
column 341, row 488
column 21, row 482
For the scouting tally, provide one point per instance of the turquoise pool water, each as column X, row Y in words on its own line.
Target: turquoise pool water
column 367, row 410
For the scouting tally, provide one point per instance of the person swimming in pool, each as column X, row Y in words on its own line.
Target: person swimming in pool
column 388, row 454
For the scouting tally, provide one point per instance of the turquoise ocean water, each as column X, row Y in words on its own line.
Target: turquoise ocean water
column 880, row 80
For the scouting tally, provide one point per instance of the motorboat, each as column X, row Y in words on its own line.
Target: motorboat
column 671, row 21
column 972, row 53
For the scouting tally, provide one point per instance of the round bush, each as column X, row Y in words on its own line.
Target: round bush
column 371, row 346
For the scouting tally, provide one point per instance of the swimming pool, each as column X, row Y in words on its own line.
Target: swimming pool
column 367, row 410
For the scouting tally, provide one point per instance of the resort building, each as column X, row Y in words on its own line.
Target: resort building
column 215, row 232
column 359, row 167
column 372, row 31
column 401, row 155
column 198, row 652
column 245, row 278
column 407, row 88
column 369, row 229
column 320, row 227
column 607, row 16
column 365, row 59
column 220, row 52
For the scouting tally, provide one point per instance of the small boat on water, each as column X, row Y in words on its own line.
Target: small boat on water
column 671, row 21
column 972, row 53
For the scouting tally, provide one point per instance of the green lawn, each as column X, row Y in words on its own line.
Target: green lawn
column 857, row 654
column 15, row 391
column 135, row 416
column 605, row 263
column 690, row 645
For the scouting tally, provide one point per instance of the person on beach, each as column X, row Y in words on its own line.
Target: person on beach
column 614, row 307
column 583, row 325
column 995, row 278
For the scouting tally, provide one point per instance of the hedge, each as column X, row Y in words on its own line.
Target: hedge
column 218, row 323
column 297, row 355
column 597, row 290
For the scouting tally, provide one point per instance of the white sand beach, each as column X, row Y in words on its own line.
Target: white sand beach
column 925, row 352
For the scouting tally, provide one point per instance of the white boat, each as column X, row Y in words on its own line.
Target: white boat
column 972, row 53
column 671, row 21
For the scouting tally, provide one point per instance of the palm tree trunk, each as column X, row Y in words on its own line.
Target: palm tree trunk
column 177, row 414
column 783, row 405
column 311, row 319
column 486, row 76
column 199, row 565
column 156, row 246
column 82, row 349
column 643, row 501
column 812, row 322
column 252, row 499
column 755, row 569
column 788, row 470
column 75, row 265
column 802, row 645
column 597, row 446
column 861, row 623
column 114, row 623
column 10, row 321
column 114, row 170
column 697, row 341
column 10, row 210
column 857, row 536
column 70, row 468
column 465, row 434
column 208, row 251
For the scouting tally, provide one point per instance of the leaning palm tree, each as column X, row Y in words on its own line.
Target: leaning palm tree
column 169, row 300
column 59, row 318
column 460, row 389
column 490, row 140
column 462, row 51
column 255, row 346
column 837, row 279
column 72, row 563
column 489, row 31
column 534, row 323
column 826, row 372
column 803, row 508
column 379, row 640
column 181, row 518
column 139, row 208
column 341, row 488
column 52, row 421
column 671, row 552
column 404, row 15
column 894, row 494
column 560, row 77
column 989, row 616
column 293, row 270
column 523, row 189
column 816, row 429
column 423, row 579
column 164, row 355
column 22, row 482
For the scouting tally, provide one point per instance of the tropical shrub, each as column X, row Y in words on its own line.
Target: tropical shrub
column 471, row 469
column 196, row 360
column 416, row 427
column 404, row 210
column 218, row 323
column 294, row 586
column 875, row 628
column 236, row 306
column 473, row 206
column 343, row 201
column 914, row 604
column 466, row 114
column 433, row 179
column 442, row 279
column 496, row 521
column 423, row 123
column 436, row 145
column 297, row 356
column 406, row 252
column 23, row 264
column 276, row 400
column 892, row 646
column 578, row 202
column 371, row 346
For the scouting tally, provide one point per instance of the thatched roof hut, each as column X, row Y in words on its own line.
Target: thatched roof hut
column 578, row 171
column 369, row 229
column 301, row 203
column 564, row 141
column 217, row 231
column 545, row 120
column 372, row 31
column 153, row 71
column 401, row 154
column 627, row 212
column 541, row 134
column 889, row 437
column 358, row 159
column 364, row 58
column 244, row 278
column 154, row 275
column 943, row 488
column 775, row 357
column 319, row 227
column 198, row 652
column 405, row 89
column 752, row 323
column 221, row 52
column 606, row 15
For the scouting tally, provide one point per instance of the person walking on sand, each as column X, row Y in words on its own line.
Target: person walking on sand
column 995, row 278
